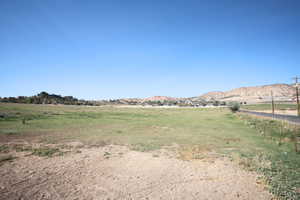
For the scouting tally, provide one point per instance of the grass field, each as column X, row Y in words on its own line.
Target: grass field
column 215, row 129
column 146, row 129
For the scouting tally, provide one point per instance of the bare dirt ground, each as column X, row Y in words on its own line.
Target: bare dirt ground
column 115, row 172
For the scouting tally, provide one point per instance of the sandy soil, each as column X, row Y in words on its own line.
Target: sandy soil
column 115, row 172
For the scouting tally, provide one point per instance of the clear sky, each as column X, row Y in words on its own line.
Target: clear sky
column 97, row 49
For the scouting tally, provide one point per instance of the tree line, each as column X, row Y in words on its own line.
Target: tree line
column 45, row 98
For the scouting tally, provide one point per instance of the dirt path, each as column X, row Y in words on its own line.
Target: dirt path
column 114, row 172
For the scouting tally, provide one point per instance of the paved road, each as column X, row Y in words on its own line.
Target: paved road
column 289, row 118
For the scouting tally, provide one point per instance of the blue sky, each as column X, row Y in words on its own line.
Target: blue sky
column 100, row 49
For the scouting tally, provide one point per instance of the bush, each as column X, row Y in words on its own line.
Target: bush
column 234, row 106
column 216, row 103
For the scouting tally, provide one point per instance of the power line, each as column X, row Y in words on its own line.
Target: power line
column 273, row 107
column 297, row 94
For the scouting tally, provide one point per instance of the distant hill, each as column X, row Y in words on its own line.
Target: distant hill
column 257, row 94
column 211, row 96
column 160, row 98
column 281, row 92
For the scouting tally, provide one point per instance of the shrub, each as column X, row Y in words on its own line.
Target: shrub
column 216, row 103
column 234, row 106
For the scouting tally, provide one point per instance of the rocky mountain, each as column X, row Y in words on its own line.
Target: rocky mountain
column 160, row 98
column 211, row 96
column 281, row 92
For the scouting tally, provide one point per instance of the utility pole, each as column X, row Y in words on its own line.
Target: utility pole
column 273, row 107
column 297, row 94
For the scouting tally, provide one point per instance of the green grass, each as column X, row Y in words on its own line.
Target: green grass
column 269, row 107
column 282, row 173
column 141, row 128
column 46, row 151
column 145, row 129
column 4, row 148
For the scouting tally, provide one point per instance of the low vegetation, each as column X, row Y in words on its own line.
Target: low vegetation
column 234, row 106
column 43, row 151
column 282, row 169
column 262, row 145
column 5, row 158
